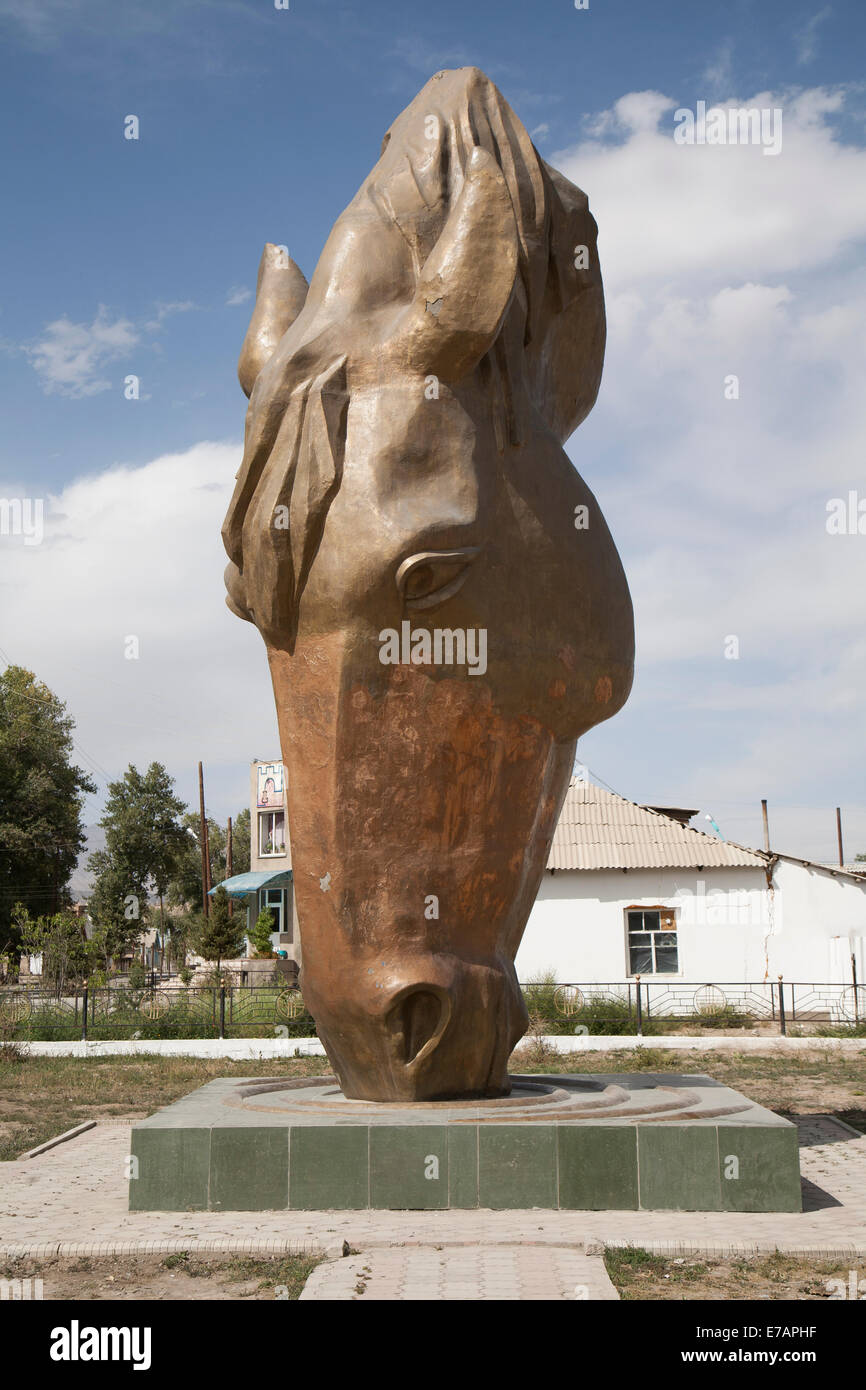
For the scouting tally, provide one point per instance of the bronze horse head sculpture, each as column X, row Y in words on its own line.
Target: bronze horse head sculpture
column 444, row 610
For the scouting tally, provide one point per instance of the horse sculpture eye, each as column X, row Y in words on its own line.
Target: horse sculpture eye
column 432, row 576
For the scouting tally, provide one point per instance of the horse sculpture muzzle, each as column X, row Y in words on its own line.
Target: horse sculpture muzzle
column 443, row 607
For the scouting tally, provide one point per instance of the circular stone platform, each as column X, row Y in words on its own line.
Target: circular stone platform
column 537, row 1098
column 649, row 1141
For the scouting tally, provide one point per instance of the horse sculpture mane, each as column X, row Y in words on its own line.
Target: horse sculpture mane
column 308, row 346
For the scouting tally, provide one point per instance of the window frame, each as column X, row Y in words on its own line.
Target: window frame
column 276, row 909
column 271, row 816
column 664, row 928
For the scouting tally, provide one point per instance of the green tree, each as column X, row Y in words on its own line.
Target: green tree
column 220, row 935
column 144, row 840
column 41, row 798
column 260, row 936
column 60, row 940
column 241, row 842
column 184, row 889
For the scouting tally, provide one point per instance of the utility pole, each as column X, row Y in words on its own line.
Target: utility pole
column 839, row 836
column 205, row 872
column 229, row 864
column 766, row 826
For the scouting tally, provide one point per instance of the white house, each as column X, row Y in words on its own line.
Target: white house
column 630, row 890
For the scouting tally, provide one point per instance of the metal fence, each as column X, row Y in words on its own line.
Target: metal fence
column 641, row 1005
column 167, row 1009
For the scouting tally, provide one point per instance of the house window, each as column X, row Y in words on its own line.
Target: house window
column 652, row 941
column 272, row 900
column 272, row 833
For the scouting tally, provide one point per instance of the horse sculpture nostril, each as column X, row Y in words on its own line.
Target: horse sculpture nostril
column 419, row 1018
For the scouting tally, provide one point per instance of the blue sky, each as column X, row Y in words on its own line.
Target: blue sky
column 257, row 124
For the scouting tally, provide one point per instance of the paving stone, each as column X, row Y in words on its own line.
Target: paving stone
column 75, row 1197
column 576, row 1276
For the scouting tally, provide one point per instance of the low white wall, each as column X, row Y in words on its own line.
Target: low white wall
column 233, row 1049
column 249, row 1050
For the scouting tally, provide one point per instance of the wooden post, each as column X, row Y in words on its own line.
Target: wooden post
column 839, row 836
column 766, row 826
column 204, row 847
column 229, row 864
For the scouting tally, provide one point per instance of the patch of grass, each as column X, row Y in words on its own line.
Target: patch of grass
column 841, row 1030
column 640, row 1274
column 286, row 1273
column 278, row 1277
column 828, row 1081
column 45, row 1096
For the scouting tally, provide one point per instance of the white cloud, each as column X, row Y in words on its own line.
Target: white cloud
column 806, row 38
column 70, row 359
column 136, row 552
column 428, row 58
column 164, row 311
column 718, row 74
column 726, row 210
column 238, row 295
column 733, row 264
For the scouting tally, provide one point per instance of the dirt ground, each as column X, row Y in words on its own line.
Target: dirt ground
column 276, row 1278
column 808, row 1082
column 41, row 1097
column 638, row 1274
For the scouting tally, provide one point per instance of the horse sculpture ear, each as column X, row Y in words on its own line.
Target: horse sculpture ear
column 465, row 285
column 281, row 291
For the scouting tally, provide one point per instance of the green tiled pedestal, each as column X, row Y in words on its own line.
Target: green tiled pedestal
column 585, row 1143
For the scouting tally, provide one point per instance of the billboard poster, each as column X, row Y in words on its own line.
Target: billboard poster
column 270, row 792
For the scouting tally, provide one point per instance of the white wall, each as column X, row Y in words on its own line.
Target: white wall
column 729, row 927
column 823, row 920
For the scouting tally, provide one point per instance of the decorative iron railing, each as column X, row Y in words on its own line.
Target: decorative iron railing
column 165, row 1008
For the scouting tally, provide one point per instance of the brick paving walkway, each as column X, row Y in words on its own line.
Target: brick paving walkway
column 477, row 1273
column 73, row 1200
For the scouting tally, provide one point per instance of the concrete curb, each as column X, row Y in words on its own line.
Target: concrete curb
column 592, row 1246
column 682, row 1042
column 58, row 1139
column 726, row 1249
column 265, row 1049
column 232, row 1049
column 105, row 1249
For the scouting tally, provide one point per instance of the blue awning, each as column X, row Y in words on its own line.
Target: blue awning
column 242, row 884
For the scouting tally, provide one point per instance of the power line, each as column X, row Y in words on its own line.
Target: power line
column 93, row 766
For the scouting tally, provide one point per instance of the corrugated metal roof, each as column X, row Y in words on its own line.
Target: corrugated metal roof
column 600, row 830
